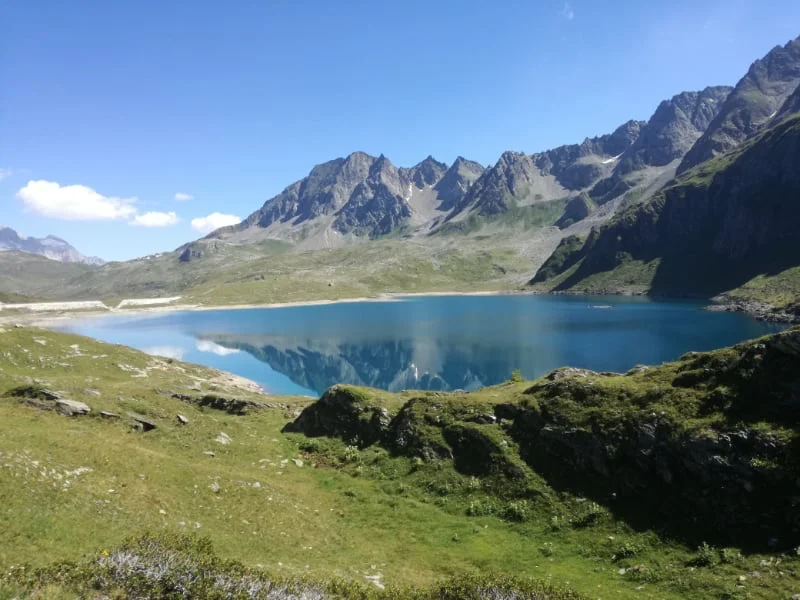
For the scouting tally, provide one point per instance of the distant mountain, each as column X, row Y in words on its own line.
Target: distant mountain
column 356, row 196
column 520, row 179
column 365, row 197
column 50, row 247
column 751, row 105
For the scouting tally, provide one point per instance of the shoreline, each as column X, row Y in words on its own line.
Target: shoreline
column 43, row 319
column 755, row 310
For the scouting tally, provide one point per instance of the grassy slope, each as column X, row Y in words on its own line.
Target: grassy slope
column 264, row 273
column 632, row 275
column 345, row 512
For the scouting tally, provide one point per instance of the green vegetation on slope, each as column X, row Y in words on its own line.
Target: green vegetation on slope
column 221, row 273
column 729, row 221
column 412, row 487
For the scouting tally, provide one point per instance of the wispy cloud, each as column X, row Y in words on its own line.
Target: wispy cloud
column 567, row 12
column 5, row 173
column 208, row 346
column 166, row 351
column 155, row 219
column 183, row 196
column 74, row 202
column 214, row 221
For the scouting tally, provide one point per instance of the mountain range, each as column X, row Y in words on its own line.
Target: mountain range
column 698, row 199
column 730, row 224
column 51, row 247
column 365, row 197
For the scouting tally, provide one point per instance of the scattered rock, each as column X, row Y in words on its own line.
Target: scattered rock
column 72, row 408
column 141, row 423
column 484, row 419
column 215, row 487
column 209, row 453
column 297, row 462
column 182, row 420
column 109, row 415
column 223, row 438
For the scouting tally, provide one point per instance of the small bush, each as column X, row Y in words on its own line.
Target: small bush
column 730, row 555
column 516, row 511
column 351, row 454
column 479, row 508
column 591, row 514
column 309, row 446
column 516, row 376
column 707, row 556
column 626, row 550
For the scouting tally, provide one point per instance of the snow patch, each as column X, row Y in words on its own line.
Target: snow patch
column 608, row 161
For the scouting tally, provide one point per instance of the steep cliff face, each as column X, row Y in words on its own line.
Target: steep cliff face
column 704, row 447
column 791, row 106
column 751, row 105
column 713, row 229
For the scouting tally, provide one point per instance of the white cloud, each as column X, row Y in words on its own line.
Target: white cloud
column 207, row 346
column 567, row 12
column 5, row 173
column 183, row 196
column 214, row 221
column 74, row 202
column 155, row 219
column 165, row 351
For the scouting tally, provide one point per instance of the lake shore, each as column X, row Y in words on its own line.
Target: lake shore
column 45, row 319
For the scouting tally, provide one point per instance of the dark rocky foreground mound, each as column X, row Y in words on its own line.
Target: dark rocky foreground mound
column 706, row 447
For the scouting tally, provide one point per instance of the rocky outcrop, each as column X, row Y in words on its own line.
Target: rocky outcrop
column 45, row 399
column 347, row 413
column 577, row 209
column 751, row 105
column 704, row 448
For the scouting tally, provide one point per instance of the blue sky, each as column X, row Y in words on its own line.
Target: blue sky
column 110, row 109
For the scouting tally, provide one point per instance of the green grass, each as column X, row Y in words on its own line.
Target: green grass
column 383, row 266
column 345, row 513
column 515, row 218
column 267, row 273
column 781, row 290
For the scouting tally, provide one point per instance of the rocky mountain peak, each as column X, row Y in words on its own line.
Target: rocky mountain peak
column 751, row 105
column 457, row 181
column 673, row 129
column 427, row 172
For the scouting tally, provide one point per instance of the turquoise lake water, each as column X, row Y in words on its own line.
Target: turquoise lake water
column 438, row 343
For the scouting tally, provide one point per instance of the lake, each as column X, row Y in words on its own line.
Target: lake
column 436, row 343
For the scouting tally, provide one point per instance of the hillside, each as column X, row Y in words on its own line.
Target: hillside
column 579, row 479
column 730, row 222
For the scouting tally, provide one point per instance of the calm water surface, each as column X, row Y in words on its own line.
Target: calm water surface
column 438, row 343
